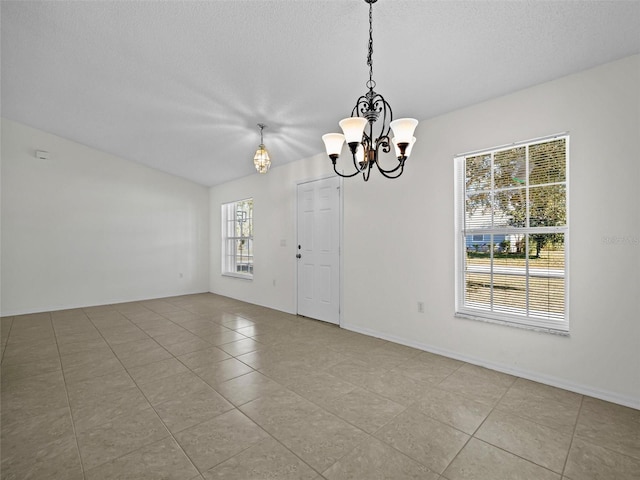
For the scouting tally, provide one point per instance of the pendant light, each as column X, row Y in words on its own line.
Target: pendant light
column 261, row 159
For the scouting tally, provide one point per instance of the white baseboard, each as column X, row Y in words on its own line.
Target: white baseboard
column 253, row 302
column 113, row 301
column 534, row 376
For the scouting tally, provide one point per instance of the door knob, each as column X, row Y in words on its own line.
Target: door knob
column 298, row 256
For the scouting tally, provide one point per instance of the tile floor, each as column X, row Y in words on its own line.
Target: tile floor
column 205, row 387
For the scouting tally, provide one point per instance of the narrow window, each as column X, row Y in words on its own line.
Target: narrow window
column 237, row 238
column 511, row 234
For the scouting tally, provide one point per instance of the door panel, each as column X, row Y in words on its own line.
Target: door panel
column 319, row 249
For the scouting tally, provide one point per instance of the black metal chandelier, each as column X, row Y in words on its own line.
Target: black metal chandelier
column 365, row 149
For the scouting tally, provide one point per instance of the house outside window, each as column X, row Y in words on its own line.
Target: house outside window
column 237, row 238
column 512, row 234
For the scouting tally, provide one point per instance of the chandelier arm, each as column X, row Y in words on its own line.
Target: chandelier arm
column 362, row 106
column 372, row 106
column 365, row 175
column 387, row 107
column 383, row 144
column 353, row 159
column 335, row 169
column 385, row 173
column 400, row 166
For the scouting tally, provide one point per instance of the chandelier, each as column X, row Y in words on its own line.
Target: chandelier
column 358, row 129
column 261, row 159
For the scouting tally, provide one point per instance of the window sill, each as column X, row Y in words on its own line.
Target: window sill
column 243, row 276
column 515, row 322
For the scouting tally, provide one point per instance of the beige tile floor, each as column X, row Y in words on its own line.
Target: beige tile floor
column 205, row 387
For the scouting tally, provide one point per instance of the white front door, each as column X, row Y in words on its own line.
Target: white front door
column 318, row 249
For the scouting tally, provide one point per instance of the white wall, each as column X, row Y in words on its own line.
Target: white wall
column 274, row 196
column 398, row 236
column 87, row 228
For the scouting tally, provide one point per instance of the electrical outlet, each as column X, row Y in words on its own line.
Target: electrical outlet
column 420, row 307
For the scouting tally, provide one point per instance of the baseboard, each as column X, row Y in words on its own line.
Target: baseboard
column 534, row 376
column 252, row 302
column 57, row 308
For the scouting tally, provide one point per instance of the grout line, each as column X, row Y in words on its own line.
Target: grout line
column 237, row 407
column 518, row 456
column 66, row 391
column 472, row 435
column 368, row 436
column 152, row 407
column 234, row 407
column 98, row 376
column 507, row 451
column 573, row 435
column 4, row 345
column 291, row 451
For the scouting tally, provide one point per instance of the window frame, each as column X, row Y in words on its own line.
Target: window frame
column 230, row 261
column 488, row 313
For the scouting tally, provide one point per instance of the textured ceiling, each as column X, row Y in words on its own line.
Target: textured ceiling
column 181, row 85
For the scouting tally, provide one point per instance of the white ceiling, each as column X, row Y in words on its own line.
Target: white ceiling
column 181, row 85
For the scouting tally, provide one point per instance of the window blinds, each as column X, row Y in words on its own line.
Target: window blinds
column 512, row 230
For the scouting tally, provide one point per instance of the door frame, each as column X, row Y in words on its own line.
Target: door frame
column 340, row 239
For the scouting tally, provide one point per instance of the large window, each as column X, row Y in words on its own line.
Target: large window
column 512, row 234
column 237, row 238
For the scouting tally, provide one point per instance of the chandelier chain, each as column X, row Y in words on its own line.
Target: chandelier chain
column 371, row 83
column 261, row 125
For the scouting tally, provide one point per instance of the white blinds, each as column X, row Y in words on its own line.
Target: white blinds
column 237, row 241
column 512, row 233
